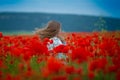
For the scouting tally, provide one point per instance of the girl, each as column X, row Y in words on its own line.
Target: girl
column 51, row 31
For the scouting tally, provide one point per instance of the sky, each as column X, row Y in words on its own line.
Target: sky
column 109, row 8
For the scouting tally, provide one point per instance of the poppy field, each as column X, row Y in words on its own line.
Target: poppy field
column 89, row 56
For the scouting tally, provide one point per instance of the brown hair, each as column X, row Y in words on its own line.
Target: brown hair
column 52, row 29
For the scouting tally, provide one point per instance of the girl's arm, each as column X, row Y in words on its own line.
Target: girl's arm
column 62, row 39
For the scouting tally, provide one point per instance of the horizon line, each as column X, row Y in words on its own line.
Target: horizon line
column 60, row 13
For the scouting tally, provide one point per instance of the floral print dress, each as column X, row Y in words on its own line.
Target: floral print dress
column 56, row 42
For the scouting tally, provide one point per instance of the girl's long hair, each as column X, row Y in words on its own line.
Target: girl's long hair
column 52, row 29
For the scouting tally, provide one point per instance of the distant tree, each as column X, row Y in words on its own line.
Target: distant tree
column 100, row 24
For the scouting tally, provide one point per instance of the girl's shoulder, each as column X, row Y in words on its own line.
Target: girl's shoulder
column 56, row 40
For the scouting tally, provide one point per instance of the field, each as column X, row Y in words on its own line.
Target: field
column 89, row 56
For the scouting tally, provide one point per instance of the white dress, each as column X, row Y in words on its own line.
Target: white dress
column 56, row 42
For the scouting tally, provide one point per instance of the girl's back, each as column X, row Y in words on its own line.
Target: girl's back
column 56, row 42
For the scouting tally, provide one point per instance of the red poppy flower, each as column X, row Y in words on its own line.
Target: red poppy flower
column 9, row 77
column 91, row 75
column 54, row 65
column 113, row 68
column 45, row 72
column 70, row 69
column 59, row 48
column 15, row 51
column 59, row 78
column 80, row 54
column 1, row 35
column 1, row 73
column 118, row 75
column 98, row 64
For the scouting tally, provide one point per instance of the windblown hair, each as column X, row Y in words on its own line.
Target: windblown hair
column 52, row 29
